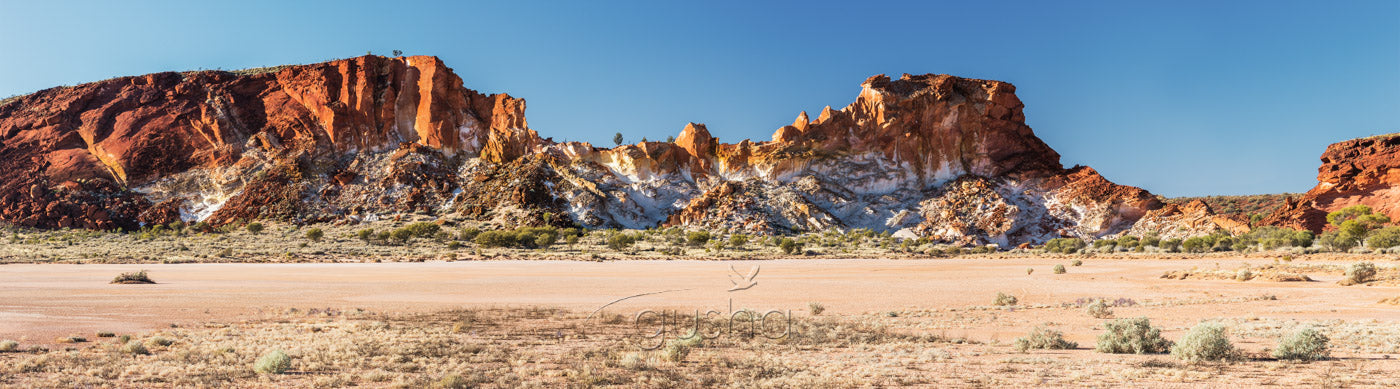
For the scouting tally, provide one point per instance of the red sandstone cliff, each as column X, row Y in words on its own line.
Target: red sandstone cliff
column 354, row 139
column 129, row 131
column 1359, row 171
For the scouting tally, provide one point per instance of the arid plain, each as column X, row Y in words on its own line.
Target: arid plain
column 419, row 320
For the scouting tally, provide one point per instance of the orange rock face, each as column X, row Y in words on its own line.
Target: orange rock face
column 133, row 130
column 366, row 138
column 1359, row 171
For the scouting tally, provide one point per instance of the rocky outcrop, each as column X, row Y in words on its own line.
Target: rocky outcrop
column 940, row 156
column 1359, row 171
column 1180, row 221
column 133, row 131
column 359, row 139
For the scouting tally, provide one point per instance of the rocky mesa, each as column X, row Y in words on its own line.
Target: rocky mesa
column 1359, row 171
column 936, row 156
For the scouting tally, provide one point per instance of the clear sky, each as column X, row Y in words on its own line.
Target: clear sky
column 1178, row 97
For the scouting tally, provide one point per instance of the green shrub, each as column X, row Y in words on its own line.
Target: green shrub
column 495, row 239
column 1270, row 238
column 1304, row 345
column 468, row 234
column 621, row 241
column 1044, row 339
column 1383, row 238
column 1361, row 214
column 738, row 240
column 1109, row 243
column 1197, row 244
column 1076, row 263
column 401, row 235
column 1059, row 269
column 1099, row 309
column 1303, row 239
column 9, row 346
column 1152, row 240
column 275, row 362
column 545, row 240
column 1065, row 245
column 255, row 227
column 1222, row 243
column 1204, row 342
column 425, row 230
column 1131, row 336
column 789, row 246
column 1361, row 272
column 1004, row 300
column 523, row 237
column 1337, row 241
column 315, row 234
column 1171, row 245
column 1128, row 242
column 697, row 238
column 444, row 236
column 1353, row 225
column 366, row 234
column 160, row 341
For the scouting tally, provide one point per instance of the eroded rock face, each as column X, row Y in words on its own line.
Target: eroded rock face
column 1359, row 171
column 133, row 131
column 1194, row 218
column 363, row 138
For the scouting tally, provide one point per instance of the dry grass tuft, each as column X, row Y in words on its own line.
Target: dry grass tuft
column 1045, row 339
column 1004, row 300
column 1205, row 342
column 133, row 278
column 275, row 362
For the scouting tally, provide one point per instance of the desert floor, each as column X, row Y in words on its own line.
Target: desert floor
column 948, row 302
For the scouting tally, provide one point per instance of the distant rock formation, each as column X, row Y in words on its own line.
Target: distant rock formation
column 938, row 156
column 1359, row 171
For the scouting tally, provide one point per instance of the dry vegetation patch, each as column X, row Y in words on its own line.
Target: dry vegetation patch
column 542, row 347
column 139, row 277
column 1270, row 272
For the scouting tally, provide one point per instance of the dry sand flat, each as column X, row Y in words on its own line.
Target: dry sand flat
column 888, row 323
column 40, row 302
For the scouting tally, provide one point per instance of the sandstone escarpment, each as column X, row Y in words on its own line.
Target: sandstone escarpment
column 885, row 162
column 132, row 131
column 939, row 156
column 1360, row 171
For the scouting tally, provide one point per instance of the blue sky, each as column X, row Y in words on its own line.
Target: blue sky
column 1178, row 97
